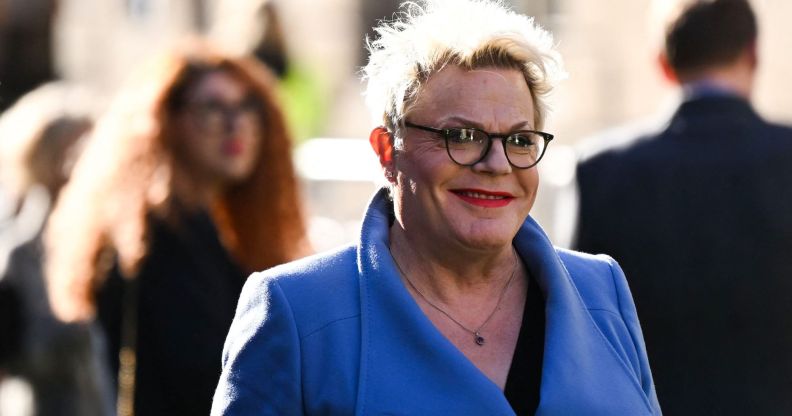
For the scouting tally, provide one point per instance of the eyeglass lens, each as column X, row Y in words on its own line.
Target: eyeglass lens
column 214, row 113
column 468, row 146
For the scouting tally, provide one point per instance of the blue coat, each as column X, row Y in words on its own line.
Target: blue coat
column 338, row 333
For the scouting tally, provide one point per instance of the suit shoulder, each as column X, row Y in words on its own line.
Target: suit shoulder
column 779, row 130
column 594, row 277
column 620, row 140
column 613, row 155
column 319, row 289
column 772, row 147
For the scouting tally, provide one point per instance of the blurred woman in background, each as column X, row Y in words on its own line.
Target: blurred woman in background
column 41, row 136
column 186, row 186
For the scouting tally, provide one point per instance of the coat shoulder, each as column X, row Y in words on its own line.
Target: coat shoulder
column 595, row 278
column 319, row 289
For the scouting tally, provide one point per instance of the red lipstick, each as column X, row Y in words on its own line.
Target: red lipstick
column 482, row 198
column 233, row 147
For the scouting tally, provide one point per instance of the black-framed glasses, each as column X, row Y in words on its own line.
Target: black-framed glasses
column 467, row 146
column 214, row 113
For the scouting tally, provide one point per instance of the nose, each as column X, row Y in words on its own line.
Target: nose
column 495, row 161
column 232, row 119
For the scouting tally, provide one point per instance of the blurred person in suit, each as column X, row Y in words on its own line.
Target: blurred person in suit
column 699, row 215
column 185, row 187
column 41, row 135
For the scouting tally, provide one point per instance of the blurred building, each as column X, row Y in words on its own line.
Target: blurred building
column 26, row 50
column 99, row 41
column 609, row 48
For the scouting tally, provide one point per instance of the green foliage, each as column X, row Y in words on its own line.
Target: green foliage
column 304, row 100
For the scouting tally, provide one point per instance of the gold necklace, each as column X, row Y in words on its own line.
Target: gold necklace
column 477, row 337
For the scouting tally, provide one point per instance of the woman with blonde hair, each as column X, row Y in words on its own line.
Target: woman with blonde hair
column 453, row 301
column 186, row 186
column 41, row 137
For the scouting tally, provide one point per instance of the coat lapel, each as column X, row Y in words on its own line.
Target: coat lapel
column 581, row 371
column 407, row 366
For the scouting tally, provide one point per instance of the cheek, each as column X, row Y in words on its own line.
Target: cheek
column 254, row 133
column 196, row 149
column 417, row 180
column 254, row 139
column 412, row 180
column 529, row 182
column 428, row 165
column 188, row 135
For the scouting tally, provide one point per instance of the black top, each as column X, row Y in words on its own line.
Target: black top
column 10, row 324
column 525, row 374
column 188, row 287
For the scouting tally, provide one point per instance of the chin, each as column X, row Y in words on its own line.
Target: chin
column 487, row 239
column 237, row 173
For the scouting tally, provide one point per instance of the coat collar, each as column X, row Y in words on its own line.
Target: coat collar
column 581, row 368
column 404, row 356
column 724, row 110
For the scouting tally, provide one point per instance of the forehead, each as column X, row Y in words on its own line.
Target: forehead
column 491, row 97
column 219, row 84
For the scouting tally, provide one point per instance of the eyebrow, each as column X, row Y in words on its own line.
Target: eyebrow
column 523, row 125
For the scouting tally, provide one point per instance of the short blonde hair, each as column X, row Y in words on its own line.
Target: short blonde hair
column 472, row 34
column 40, row 133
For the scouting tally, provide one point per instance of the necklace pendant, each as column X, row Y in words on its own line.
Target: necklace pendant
column 479, row 339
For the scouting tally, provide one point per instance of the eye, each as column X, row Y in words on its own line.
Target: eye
column 251, row 103
column 207, row 107
column 462, row 136
column 523, row 140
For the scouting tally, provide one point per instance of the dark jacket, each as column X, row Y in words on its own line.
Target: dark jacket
column 10, row 325
column 699, row 216
column 60, row 362
column 188, row 288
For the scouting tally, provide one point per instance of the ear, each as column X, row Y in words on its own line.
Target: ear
column 382, row 143
column 668, row 72
column 753, row 55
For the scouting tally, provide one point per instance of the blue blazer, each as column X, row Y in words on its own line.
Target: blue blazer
column 338, row 333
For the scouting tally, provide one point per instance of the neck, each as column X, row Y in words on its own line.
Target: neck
column 447, row 275
column 194, row 191
column 737, row 78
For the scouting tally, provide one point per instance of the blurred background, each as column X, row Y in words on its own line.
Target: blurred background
column 609, row 48
column 316, row 47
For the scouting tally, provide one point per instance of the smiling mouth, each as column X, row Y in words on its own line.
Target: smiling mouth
column 484, row 198
column 233, row 147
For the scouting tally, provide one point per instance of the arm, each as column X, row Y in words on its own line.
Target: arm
column 261, row 357
column 630, row 318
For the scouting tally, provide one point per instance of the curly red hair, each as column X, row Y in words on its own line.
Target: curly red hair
column 127, row 173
